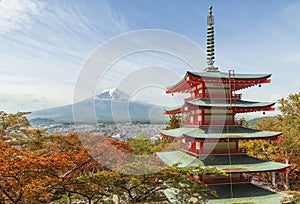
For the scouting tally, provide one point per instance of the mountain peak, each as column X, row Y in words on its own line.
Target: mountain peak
column 110, row 91
column 112, row 94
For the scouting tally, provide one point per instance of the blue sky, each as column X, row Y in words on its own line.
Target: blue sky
column 45, row 44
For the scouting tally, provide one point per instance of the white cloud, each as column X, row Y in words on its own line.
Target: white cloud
column 13, row 13
column 25, row 102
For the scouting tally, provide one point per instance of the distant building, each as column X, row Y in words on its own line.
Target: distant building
column 210, row 134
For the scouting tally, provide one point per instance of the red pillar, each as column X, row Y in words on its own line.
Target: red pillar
column 202, row 120
column 203, row 90
column 201, row 146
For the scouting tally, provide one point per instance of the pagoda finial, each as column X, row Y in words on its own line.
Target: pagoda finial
column 210, row 52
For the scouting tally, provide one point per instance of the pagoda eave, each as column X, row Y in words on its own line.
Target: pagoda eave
column 223, row 139
column 238, row 106
column 171, row 137
column 243, row 193
column 217, row 103
column 257, row 109
column 235, row 164
column 193, row 79
column 222, row 132
column 232, row 138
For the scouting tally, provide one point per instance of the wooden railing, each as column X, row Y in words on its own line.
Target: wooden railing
column 216, row 96
column 195, row 151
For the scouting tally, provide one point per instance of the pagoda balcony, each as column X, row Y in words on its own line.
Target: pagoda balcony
column 236, row 178
column 215, row 96
column 241, row 179
column 211, row 123
column 192, row 150
column 223, row 96
column 224, row 151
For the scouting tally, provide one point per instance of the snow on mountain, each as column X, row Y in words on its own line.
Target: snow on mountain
column 112, row 94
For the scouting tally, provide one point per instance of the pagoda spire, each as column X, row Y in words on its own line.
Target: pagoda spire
column 210, row 52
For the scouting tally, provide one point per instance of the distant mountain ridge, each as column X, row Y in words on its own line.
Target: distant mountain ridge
column 109, row 105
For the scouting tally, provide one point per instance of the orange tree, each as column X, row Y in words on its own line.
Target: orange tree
column 20, row 168
column 71, row 163
column 286, row 151
column 36, row 167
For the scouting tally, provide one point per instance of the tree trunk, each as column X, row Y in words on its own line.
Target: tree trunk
column 69, row 199
column 287, row 183
column 115, row 199
column 273, row 178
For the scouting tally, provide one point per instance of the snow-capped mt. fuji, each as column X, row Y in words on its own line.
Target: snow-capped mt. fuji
column 108, row 105
column 112, row 94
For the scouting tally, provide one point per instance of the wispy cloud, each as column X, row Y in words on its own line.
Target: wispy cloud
column 13, row 13
column 44, row 44
column 26, row 102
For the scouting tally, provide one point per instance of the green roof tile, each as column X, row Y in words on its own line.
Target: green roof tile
column 221, row 75
column 233, row 132
column 224, row 75
column 173, row 108
column 217, row 103
column 243, row 193
column 226, row 103
column 171, row 158
column 229, row 164
column 240, row 163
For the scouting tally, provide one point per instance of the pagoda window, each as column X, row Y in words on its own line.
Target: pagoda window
column 197, row 145
column 191, row 119
column 214, row 92
column 185, row 117
column 199, row 118
column 219, row 147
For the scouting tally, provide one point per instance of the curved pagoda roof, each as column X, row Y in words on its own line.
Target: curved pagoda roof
column 215, row 133
column 221, row 103
column 224, row 75
column 241, row 80
column 237, row 163
column 244, row 106
column 243, row 193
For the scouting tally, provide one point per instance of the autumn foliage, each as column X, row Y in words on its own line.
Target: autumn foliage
column 285, row 151
column 36, row 167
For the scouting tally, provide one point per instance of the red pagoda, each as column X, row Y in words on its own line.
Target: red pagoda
column 210, row 134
